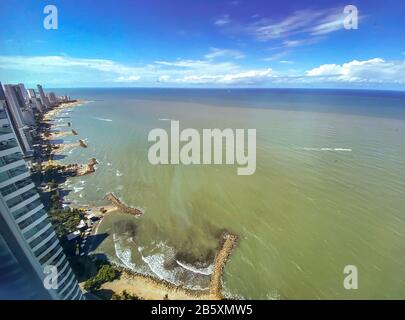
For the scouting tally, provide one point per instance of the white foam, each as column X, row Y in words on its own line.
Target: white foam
column 118, row 173
column 156, row 265
column 205, row 271
column 103, row 119
column 328, row 149
column 77, row 189
column 124, row 255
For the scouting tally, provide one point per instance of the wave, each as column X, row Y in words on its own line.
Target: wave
column 328, row 149
column 124, row 255
column 119, row 173
column 156, row 265
column 103, row 119
column 205, row 271
column 77, row 189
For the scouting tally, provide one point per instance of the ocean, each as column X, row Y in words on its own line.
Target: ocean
column 328, row 190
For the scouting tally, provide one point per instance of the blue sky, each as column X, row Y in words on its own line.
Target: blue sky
column 207, row 43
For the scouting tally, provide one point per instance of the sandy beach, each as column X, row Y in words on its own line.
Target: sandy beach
column 63, row 106
column 149, row 288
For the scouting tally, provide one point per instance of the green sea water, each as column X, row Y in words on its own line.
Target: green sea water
column 328, row 190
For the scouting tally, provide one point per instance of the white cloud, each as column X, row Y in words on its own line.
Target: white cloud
column 308, row 22
column 375, row 70
column 245, row 77
column 62, row 70
column 326, row 69
column 127, row 79
column 225, row 19
column 216, row 53
column 276, row 56
column 300, row 42
column 63, row 65
column 329, row 24
column 164, row 78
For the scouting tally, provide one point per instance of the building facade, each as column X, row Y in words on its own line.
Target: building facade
column 20, row 116
column 28, row 243
column 44, row 98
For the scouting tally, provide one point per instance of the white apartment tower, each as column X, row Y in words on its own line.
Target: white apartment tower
column 44, row 98
column 28, row 242
column 31, row 94
column 20, row 121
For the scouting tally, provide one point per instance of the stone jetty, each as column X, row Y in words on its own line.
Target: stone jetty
column 122, row 206
column 228, row 243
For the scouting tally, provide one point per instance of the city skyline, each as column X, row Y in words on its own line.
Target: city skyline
column 204, row 44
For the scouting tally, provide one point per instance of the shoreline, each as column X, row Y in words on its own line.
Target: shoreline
column 143, row 286
column 150, row 287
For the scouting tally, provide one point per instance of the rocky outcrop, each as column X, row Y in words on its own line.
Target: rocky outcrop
column 122, row 206
column 88, row 168
column 82, row 143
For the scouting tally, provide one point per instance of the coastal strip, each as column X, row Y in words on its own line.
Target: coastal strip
column 122, row 206
column 228, row 243
column 151, row 288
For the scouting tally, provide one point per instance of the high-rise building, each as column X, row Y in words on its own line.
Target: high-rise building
column 28, row 243
column 43, row 97
column 52, row 98
column 16, row 107
column 23, row 91
column 37, row 104
column 31, row 94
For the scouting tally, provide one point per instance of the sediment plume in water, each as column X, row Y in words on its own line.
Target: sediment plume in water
column 122, row 206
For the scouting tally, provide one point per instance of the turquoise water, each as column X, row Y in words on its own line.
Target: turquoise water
column 327, row 192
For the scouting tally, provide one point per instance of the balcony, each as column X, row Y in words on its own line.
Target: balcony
column 14, row 172
column 33, row 219
column 21, row 198
column 5, row 129
column 8, row 144
column 28, row 209
column 3, row 114
column 8, row 159
column 18, row 188
column 25, row 202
